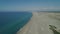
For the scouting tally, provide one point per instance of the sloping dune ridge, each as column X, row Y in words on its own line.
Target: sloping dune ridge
column 39, row 23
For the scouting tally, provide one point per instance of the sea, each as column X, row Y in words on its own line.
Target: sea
column 11, row 22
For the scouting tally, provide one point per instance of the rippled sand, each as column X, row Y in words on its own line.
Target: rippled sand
column 39, row 23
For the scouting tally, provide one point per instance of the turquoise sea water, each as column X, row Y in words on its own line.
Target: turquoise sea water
column 11, row 22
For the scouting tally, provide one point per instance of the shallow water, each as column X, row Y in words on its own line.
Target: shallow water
column 11, row 22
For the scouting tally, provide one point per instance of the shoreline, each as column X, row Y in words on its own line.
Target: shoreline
column 39, row 24
column 25, row 27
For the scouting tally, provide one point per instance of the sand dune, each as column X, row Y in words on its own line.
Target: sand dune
column 39, row 23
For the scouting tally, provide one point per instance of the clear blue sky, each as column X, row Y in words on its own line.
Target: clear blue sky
column 26, row 5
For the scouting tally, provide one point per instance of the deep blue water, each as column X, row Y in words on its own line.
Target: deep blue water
column 11, row 22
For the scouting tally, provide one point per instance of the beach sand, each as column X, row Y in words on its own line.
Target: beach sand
column 39, row 23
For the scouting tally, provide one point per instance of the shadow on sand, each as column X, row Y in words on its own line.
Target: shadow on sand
column 53, row 28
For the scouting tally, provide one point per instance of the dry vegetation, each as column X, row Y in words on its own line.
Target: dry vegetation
column 54, row 15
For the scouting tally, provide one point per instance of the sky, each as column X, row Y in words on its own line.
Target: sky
column 28, row 5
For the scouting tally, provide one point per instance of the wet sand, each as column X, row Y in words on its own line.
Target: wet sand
column 39, row 23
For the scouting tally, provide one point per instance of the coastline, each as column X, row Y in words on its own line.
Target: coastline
column 39, row 24
column 25, row 27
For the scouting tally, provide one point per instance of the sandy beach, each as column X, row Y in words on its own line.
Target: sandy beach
column 39, row 23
